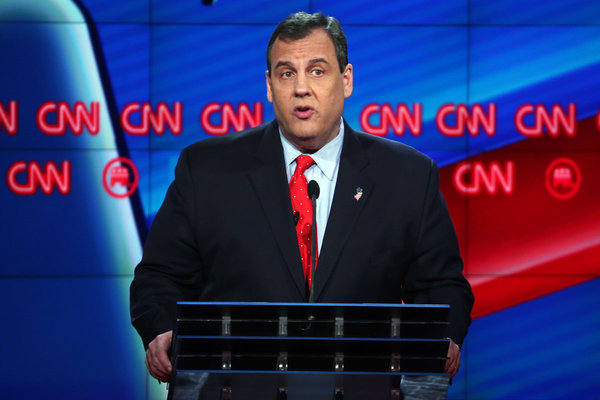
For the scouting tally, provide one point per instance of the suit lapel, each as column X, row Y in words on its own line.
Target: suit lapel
column 346, row 206
column 270, row 183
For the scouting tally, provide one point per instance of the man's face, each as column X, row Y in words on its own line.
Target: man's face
column 307, row 90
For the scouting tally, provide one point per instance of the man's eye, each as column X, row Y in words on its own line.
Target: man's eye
column 286, row 75
column 317, row 72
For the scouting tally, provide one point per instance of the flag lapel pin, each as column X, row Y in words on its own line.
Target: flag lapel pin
column 359, row 193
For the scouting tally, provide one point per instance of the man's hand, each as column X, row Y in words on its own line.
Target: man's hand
column 157, row 357
column 453, row 361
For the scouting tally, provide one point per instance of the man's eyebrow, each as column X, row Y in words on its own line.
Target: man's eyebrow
column 283, row 64
column 318, row 60
column 291, row 65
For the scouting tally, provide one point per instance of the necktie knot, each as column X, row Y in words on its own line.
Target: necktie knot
column 303, row 162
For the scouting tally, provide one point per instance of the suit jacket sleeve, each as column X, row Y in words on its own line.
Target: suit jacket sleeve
column 435, row 273
column 170, row 269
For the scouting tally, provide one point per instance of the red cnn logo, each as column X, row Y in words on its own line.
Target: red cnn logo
column 554, row 121
column 9, row 119
column 397, row 120
column 239, row 119
column 47, row 178
column 473, row 121
column 75, row 119
column 471, row 178
column 158, row 120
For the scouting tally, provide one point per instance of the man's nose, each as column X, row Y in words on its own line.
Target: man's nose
column 302, row 86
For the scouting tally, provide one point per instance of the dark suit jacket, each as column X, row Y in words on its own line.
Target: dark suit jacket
column 225, row 232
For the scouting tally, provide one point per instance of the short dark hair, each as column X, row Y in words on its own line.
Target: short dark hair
column 299, row 25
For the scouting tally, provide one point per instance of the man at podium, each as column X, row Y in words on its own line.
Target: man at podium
column 238, row 222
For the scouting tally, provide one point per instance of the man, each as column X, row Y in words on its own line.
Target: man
column 229, row 231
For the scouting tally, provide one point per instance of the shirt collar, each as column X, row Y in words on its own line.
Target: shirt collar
column 326, row 158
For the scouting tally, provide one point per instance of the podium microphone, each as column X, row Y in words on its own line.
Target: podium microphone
column 313, row 192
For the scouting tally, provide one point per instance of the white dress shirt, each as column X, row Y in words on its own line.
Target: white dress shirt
column 324, row 171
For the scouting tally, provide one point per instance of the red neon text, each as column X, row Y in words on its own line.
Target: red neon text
column 47, row 178
column 239, row 120
column 159, row 120
column 9, row 122
column 473, row 121
column 390, row 119
column 493, row 177
column 553, row 121
column 75, row 119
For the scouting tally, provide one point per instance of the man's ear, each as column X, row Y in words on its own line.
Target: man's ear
column 348, row 80
column 269, row 90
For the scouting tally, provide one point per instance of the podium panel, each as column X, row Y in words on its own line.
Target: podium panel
column 280, row 351
column 217, row 385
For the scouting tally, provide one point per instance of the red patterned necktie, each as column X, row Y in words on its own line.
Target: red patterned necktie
column 302, row 207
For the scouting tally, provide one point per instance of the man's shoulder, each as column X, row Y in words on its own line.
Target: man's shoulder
column 227, row 153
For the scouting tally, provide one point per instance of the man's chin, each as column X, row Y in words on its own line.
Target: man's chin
column 306, row 142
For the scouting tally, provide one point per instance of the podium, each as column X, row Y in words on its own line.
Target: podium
column 309, row 351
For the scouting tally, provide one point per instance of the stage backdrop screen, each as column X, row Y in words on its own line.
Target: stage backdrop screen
column 99, row 97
